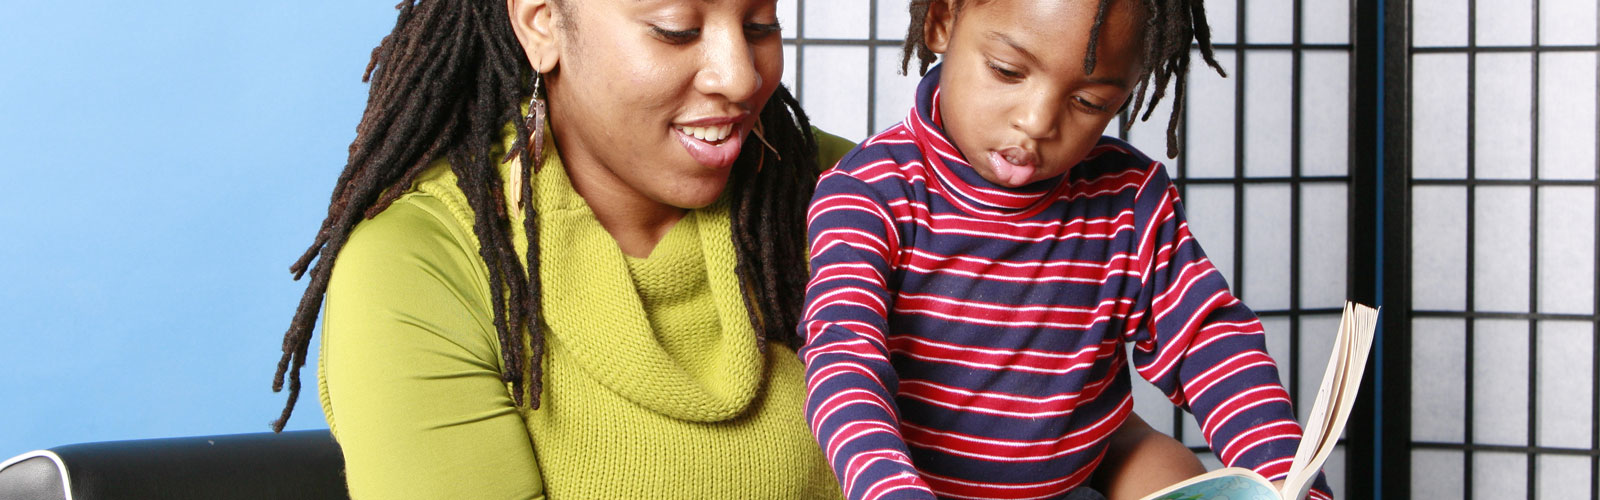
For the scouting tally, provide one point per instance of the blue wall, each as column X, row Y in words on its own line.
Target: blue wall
column 162, row 163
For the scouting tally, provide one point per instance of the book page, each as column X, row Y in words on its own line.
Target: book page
column 1335, row 397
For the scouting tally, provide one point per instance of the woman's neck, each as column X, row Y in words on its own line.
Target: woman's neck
column 633, row 219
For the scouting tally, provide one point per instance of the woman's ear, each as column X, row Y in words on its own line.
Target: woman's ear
column 936, row 28
column 534, row 22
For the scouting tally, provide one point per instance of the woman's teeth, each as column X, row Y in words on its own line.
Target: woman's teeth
column 708, row 134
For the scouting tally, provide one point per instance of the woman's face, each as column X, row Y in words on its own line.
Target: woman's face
column 651, row 100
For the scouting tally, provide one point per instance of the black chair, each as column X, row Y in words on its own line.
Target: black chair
column 300, row 464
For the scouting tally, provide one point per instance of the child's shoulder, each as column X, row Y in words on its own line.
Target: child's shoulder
column 893, row 148
column 1114, row 157
column 1116, row 172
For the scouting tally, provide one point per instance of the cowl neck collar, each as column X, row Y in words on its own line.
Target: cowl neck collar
column 593, row 313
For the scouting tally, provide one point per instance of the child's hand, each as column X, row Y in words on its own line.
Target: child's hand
column 1278, row 485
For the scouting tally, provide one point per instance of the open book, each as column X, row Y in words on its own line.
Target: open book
column 1327, row 419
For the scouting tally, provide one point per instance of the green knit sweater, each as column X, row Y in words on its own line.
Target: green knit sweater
column 653, row 385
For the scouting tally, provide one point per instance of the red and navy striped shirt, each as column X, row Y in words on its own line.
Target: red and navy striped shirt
column 967, row 340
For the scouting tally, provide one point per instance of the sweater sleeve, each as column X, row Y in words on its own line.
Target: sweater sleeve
column 850, row 384
column 410, row 370
column 1203, row 347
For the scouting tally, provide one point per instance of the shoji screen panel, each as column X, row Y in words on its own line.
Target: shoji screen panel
column 1265, row 176
column 1502, row 229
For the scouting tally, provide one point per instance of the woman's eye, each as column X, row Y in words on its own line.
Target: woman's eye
column 758, row 31
column 675, row 37
column 1005, row 74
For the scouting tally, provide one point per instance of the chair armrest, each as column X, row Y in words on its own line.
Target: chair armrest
column 300, row 464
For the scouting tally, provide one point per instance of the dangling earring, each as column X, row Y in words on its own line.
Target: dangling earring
column 533, row 122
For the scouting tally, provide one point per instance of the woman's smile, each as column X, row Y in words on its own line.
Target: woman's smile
column 713, row 142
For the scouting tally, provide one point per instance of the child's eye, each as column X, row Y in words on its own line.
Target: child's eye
column 1005, row 74
column 675, row 37
column 1089, row 104
column 758, row 31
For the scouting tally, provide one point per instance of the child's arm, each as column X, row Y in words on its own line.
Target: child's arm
column 850, row 384
column 1140, row 460
column 1203, row 347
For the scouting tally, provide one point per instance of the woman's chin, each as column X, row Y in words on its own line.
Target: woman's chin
column 698, row 194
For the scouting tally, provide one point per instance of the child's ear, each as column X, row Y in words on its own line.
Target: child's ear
column 936, row 28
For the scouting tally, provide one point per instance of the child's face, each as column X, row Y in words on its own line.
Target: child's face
column 1014, row 95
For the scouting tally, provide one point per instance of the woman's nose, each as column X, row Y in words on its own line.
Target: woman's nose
column 729, row 67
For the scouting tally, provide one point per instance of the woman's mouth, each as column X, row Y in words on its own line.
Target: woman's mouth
column 714, row 146
column 1013, row 167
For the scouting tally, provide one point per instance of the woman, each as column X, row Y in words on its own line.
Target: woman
column 602, row 306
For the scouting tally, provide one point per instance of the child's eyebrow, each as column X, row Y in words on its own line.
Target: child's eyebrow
column 1106, row 80
column 1097, row 80
column 1002, row 38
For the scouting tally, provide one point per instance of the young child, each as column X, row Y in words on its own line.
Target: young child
column 978, row 268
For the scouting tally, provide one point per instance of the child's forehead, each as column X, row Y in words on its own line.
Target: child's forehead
column 1059, row 21
column 1044, row 13
column 1089, row 5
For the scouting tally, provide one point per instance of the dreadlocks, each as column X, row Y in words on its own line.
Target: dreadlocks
column 443, row 84
column 1171, row 25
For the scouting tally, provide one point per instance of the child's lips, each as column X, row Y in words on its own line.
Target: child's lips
column 1019, row 156
column 1013, row 166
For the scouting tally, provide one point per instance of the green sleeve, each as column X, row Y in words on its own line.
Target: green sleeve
column 830, row 148
column 410, row 368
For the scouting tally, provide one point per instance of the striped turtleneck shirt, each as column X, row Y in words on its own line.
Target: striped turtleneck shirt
column 969, row 340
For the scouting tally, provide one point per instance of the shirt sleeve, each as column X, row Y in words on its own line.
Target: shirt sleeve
column 410, row 370
column 1203, row 347
column 850, row 383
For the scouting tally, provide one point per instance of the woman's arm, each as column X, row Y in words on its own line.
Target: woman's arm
column 410, row 370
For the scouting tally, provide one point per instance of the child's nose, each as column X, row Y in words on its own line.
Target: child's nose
column 1038, row 116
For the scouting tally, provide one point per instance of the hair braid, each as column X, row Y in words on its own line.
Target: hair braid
column 1090, row 56
column 442, row 85
column 768, row 219
column 916, row 44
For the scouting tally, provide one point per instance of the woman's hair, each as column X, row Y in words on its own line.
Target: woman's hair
column 443, row 85
column 1171, row 25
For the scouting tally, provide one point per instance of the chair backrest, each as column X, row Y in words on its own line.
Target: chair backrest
column 300, row 464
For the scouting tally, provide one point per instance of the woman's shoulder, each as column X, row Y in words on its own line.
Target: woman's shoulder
column 428, row 228
column 411, row 274
column 830, row 148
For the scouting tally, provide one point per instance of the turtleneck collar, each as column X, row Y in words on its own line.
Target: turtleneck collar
column 950, row 169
